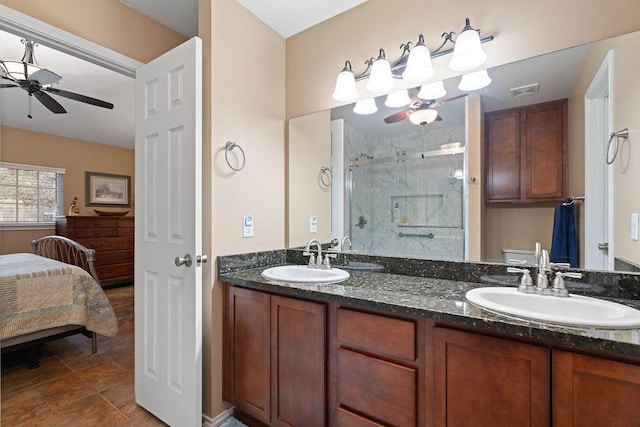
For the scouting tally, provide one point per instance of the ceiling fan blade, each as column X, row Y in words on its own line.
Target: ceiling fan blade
column 81, row 98
column 45, row 77
column 398, row 116
column 2, row 86
column 444, row 101
column 49, row 102
column 438, row 118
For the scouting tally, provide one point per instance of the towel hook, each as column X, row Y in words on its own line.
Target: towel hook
column 230, row 146
column 326, row 176
column 624, row 134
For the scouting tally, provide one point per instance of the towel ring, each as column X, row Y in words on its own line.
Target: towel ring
column 230, row 146
column 624, row 133
column 326, row 176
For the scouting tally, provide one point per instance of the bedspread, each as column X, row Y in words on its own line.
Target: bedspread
column 37, row 293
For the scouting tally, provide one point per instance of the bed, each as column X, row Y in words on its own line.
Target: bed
column 52, row 293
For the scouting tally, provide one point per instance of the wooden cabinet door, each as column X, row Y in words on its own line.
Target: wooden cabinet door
column 502, row 164
column 526, row 153
column 297, row 362
column 483, row 381
column 589, row 391
column 247, row 351
column 544, row 144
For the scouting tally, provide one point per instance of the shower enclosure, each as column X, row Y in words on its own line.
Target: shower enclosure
column 408, row 202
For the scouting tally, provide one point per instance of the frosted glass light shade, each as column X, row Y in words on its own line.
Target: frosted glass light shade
column 467, row 53
column 433, row 90
column 399, row 98
column 15, row 69
column 380, row 79
column 474, row 81
column 345, row 89
column 419, row 68
column 367, row 106
column 423, row 117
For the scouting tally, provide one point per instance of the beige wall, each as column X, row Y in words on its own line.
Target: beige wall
column 247, row 107
column 76, row 156
column 309, row 148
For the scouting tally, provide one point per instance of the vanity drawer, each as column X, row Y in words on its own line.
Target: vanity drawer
column 378, row 389
column 345, row 418
column 382, row 335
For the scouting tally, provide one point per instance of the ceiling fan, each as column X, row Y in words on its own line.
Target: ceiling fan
column 420, row 112
column 37, row 81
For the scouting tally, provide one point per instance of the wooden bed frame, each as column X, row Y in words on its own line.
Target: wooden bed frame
column 68, row 251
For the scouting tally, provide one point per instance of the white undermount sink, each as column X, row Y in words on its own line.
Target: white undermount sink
column 304, row 274
column 576, row 310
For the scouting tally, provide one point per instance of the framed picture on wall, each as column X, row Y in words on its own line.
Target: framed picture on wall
column 104, row 189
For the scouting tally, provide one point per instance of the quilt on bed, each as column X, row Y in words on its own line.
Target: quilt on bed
column 38, row 293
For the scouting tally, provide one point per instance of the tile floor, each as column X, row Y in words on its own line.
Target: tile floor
column 73, row 387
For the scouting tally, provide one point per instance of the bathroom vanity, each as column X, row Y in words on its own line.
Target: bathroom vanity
column 393, row 349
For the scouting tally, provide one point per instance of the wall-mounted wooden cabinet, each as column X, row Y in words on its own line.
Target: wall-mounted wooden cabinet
column 112, row 239
column 526, row 153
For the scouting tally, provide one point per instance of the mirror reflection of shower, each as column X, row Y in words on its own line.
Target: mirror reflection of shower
column 409, row 190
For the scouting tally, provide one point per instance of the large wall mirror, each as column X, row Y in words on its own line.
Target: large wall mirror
column 406, row 190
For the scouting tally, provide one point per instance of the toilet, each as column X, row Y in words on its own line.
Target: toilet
column 519, row 256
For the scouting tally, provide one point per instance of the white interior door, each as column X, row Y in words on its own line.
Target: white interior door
column 598, row 196
column 168, row 297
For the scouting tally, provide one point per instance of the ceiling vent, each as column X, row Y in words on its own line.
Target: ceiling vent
column 531, row 89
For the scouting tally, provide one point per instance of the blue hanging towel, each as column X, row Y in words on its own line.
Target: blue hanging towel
column 564, row 241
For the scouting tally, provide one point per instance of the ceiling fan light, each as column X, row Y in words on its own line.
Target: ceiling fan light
column 367, row 106
column 396, row 99
column 423, row 117
column 467, row 53
column 433, row 90
column 419, row 68
column 380, row 79
column 474, row 81
column 16, row 69
column 345, row 89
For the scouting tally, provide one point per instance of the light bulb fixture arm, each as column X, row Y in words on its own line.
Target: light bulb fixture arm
column 398, row 66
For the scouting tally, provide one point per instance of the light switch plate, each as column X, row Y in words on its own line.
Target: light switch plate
column 247, row 226
column 634, row 226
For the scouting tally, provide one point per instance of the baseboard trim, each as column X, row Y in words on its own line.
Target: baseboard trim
column 218, row 420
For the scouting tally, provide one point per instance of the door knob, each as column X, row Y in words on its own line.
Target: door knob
column 603, row 246
column 186, row 261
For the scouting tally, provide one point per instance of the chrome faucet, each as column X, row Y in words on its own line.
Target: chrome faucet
column 343, row 242
column 542, row 283
column 312, row 258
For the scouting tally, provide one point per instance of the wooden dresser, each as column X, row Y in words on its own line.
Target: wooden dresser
column 112, row 239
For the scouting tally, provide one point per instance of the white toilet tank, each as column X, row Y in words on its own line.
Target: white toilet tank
column 517, row 256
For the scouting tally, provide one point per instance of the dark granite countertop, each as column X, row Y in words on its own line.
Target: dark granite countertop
column 444, row 301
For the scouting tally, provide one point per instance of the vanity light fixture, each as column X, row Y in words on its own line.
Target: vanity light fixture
column 381, row 79
column 419, row 68
column 433, row 90
column 413, row 65
column 423, row 117
column 467, row 53
column 367, row 106
column 474, row 81
column 399, row 98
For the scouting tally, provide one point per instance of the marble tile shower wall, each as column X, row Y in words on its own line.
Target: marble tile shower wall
column 412, row 208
